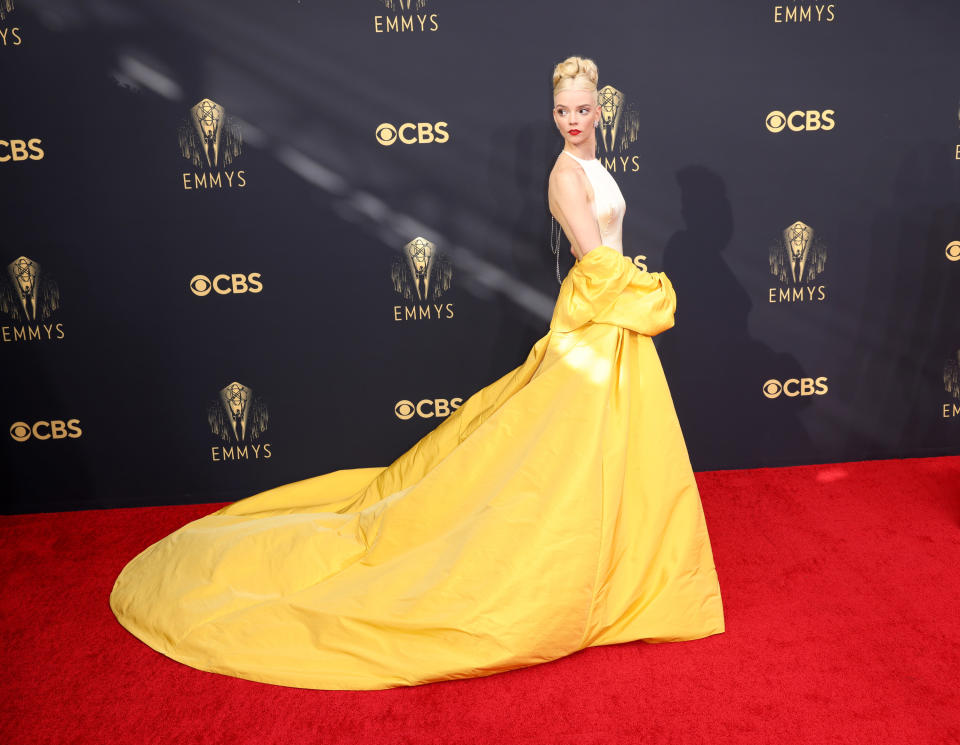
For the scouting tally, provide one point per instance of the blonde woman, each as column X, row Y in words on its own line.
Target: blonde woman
column 583, row 196
column 554, row 510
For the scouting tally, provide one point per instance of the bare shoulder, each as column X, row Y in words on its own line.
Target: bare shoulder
column 567, row 177
column 566, row 168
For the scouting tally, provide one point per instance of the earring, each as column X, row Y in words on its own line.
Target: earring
column 596, row 123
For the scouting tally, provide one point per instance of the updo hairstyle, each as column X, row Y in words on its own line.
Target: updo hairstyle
column 575, row 73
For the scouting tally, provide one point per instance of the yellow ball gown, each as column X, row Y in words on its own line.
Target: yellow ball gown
column 555, row 509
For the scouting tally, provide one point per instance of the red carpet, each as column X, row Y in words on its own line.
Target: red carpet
column 841, row 586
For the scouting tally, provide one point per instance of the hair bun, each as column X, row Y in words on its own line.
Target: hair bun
column 581, row 73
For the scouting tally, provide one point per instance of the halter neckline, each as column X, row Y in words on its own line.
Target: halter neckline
column 582, row 160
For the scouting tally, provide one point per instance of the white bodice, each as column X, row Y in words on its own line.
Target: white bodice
column 608, row 203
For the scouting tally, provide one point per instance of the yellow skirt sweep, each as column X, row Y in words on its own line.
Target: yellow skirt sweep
column 556, row 509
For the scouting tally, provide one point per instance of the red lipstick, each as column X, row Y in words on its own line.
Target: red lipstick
column 574, row 132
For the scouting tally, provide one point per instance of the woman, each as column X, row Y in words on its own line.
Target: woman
column 579, row 206
column 554, row 510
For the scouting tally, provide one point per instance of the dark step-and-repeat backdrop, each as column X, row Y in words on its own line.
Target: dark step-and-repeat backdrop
column 245, row 243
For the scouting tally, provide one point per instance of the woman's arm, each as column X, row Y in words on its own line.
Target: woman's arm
column 575, row 211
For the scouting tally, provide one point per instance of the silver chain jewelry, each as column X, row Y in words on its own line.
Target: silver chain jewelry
column 555, row 232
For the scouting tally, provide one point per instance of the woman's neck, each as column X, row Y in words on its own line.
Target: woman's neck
column 586, row 150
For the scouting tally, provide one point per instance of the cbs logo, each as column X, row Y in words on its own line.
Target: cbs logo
column 426, row 408
column 225, row 284
column 953, row 251
column 17, row 150
column 800, row 121
column 55, row 429
column 410, row 133
column 795, row 387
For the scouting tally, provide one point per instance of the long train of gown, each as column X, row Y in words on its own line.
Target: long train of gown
column 555, row 509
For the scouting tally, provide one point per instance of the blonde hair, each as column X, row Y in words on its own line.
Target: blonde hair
column 575, row 73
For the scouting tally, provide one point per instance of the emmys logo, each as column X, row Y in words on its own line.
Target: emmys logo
column 805, row 13
column 211, row 141
column 238, row 418
column 54, row 429
column 951, row 384
column 797, row 258
column 406, row 16
column 795, row 387
column 28, row 298
column 421, row 275
column 801, row 121
column 426, row 408
column 14, row 151
column 619, row 129
column 953, row 251
column 9, row 35
column 421, row 133
column 226, row 284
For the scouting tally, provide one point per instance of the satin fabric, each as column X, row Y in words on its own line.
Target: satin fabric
column 609, row 206
column 554, row 510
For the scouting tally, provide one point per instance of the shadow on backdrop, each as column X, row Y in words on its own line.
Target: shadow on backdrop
column 906, row 336
column 709, row 358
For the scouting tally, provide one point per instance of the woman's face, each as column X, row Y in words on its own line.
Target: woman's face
column 575, row 113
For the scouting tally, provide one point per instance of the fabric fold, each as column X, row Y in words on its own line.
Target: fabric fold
column 606, row 287
column 555, row 509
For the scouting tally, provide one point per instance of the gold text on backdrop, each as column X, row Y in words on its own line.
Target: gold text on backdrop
column 794, row 387
column 426, row 408
column 804, row 13
column 797, row 258
column 211, row 141
column 421, row 274
column 406, row 18
column 29, row 297
column 53, row 429
column 239, row 419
